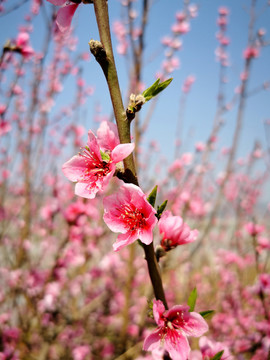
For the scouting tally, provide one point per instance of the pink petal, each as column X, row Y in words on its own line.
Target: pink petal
column 83, row 190
column 107, row 134
column 170, row 226
column 93, row 144
column 176, row 345
column 146, row 236
column 152, row 341
column 124, row 240
column 158, row 310
column 176, row 310
column 121, row 151
column 57, row 2
column 74, row 168
column 195, row 326
column 112, row 214
column 65, row 15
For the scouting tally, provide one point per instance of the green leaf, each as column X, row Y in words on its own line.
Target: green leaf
column 192, row 299
column 207, row 313
column 152, row 197
column 155, row 89
column 217, row 356
column 104, row 156
column 161, row 208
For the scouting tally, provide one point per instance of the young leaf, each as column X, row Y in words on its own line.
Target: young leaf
column 152, row 197
column 192, row 299
column 155, row 89
column 218, row 355
column 161, row 208
column 104, row 156
column 207, row 313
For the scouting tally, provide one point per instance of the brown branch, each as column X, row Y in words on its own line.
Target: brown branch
column 104, row 55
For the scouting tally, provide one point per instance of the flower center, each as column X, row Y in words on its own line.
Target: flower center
column 94, row 168
column 133, row 218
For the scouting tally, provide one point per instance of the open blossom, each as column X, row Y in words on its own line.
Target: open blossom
column 95, row 166
column 174, row 231
column 65, row 13
column 174, row 325
column 128, row 212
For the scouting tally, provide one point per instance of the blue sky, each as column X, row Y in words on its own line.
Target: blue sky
column 196, row 57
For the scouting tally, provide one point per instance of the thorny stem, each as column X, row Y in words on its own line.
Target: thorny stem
column 123, row 125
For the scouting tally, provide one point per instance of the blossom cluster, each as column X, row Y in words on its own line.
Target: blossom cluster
column 126, row 211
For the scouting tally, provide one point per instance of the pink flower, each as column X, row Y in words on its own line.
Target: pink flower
column 174, row 326
column 80, row 352
column 251, row 52
column 5, row 127
column 129, row 213
column 200, row 146
column 253, row 229
column 223, row 11
column 65, row 13
column 2, row 109
column 181, row 27
column 264, row 281
column 95, row 166
column 174, row 231
column 211, row 348
column 22, row 43
column 187, row 83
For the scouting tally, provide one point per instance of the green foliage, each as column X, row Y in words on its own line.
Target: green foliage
column 104, row 156
column 207, row 313
column 155, row 89
column 152, row 197
column 218, row 355
column 192, row 299
column 161, row 208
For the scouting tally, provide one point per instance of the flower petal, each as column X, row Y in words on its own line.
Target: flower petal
column 84, row 190
column 177, row 345
column 124, row 240
column 195, row 325
column 152, row 341
column 57, row 2
column 121, row 151
column 146, row 235
column 158, row 310
column 65, row 15
column 74, row 168
column 107, row 135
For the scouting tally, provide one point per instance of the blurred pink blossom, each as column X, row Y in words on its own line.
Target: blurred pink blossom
column 80, row 352
column 254, row 229
column 182, row 27
column 211, row 348
column 251, row 52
